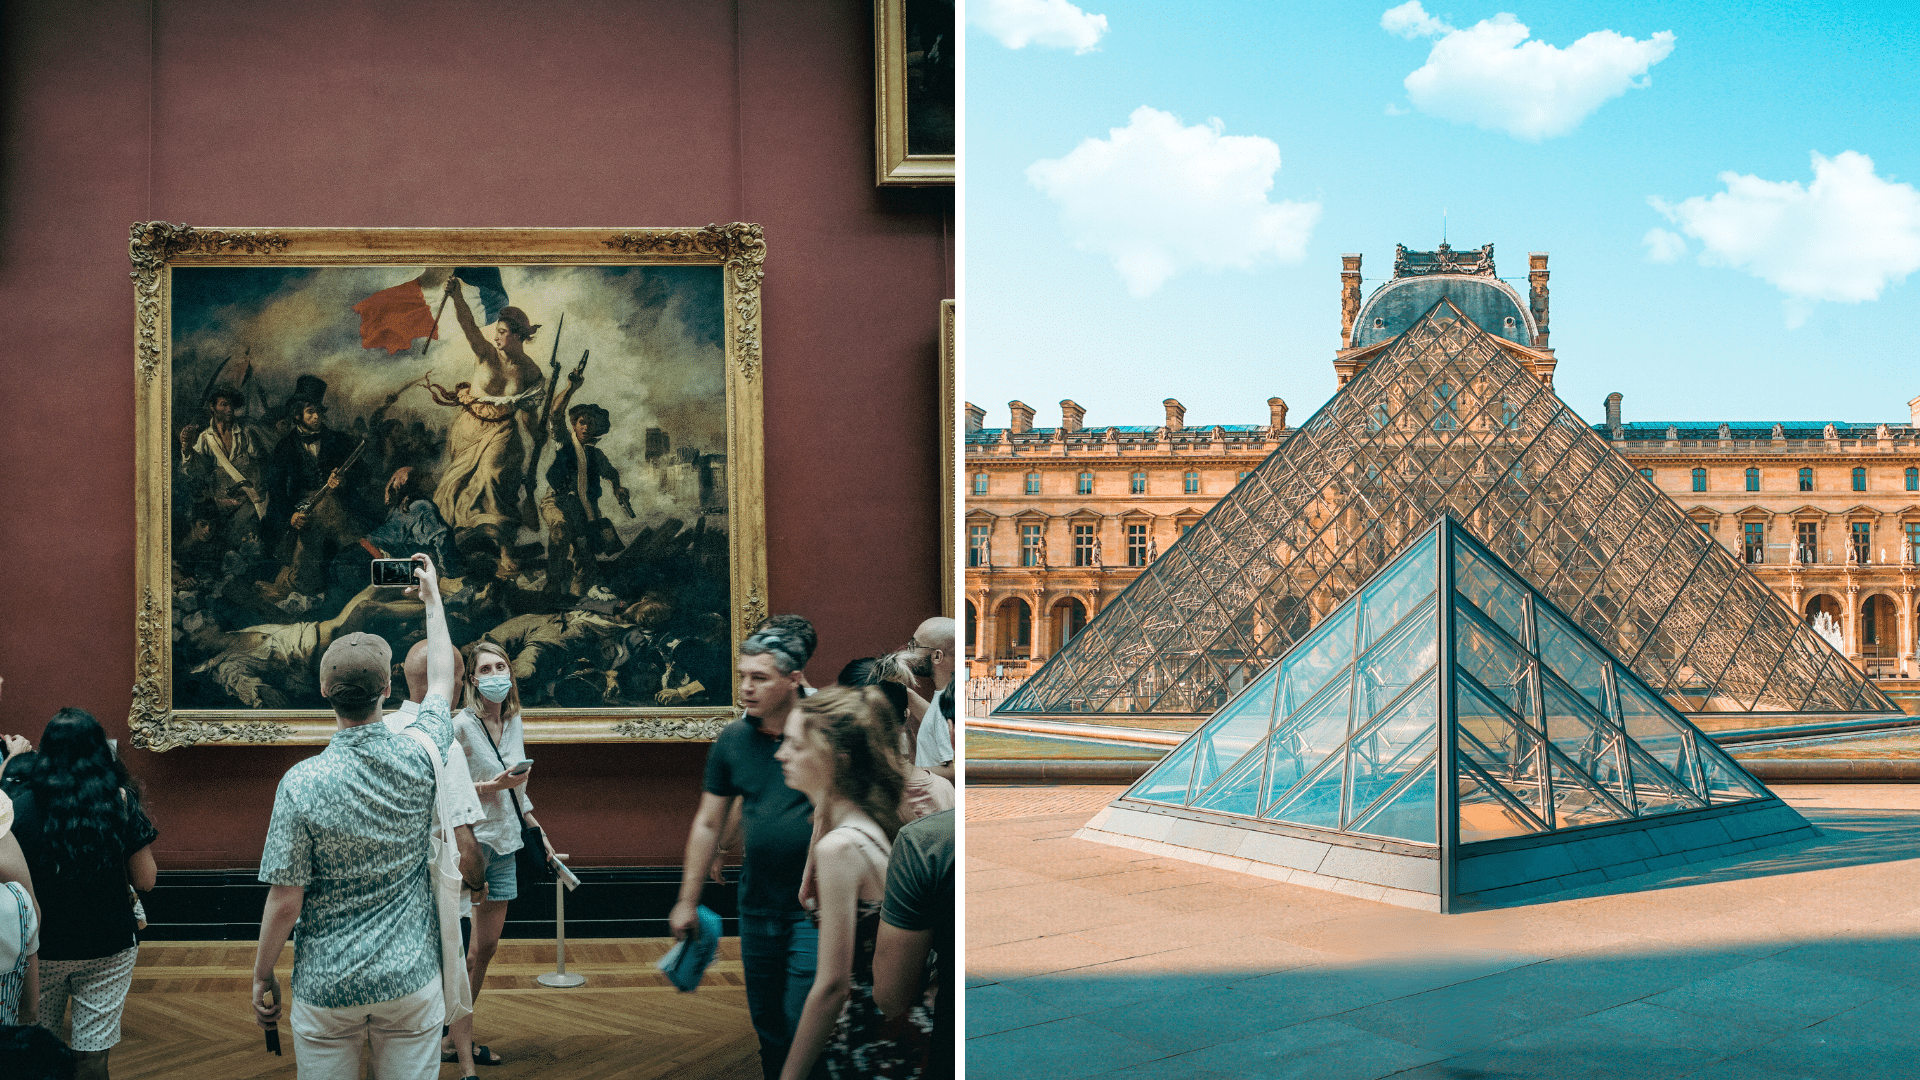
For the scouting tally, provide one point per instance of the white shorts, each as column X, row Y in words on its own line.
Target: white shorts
column 405, row 1033
column 98, row 988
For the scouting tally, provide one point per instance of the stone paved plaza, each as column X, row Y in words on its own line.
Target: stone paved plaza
column 1086, row 960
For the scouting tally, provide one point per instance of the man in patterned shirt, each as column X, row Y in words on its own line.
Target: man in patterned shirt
column 348, row 857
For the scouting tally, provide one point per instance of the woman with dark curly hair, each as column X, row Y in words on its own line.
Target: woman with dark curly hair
column 79, row 821
column 842, row 750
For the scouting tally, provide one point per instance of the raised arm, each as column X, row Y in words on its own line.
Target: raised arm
column 440, row 657
column 483, row 349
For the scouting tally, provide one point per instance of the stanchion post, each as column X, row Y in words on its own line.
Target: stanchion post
column 559, row 976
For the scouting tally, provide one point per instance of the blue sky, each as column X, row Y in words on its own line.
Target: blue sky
column 1763, row 332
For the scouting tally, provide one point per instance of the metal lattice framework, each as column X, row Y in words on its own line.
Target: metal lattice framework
column 1446, row 421
column 1447, row 703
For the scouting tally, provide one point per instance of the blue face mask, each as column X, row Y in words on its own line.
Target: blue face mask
column 494, row 688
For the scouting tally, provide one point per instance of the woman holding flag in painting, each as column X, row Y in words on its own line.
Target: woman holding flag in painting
column 480, row 488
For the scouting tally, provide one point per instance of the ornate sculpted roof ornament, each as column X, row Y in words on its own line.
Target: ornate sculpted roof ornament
column 1828, row 432
column 1672, row 432
column 1726, row 430
column 1442, row 260
column 1880, row 432
column 1779, row 432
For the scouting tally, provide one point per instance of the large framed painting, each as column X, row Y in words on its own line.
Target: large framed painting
column 568, row 421
column 914, row 61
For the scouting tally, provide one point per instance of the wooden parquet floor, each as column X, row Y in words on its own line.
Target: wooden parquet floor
column 187, row 1016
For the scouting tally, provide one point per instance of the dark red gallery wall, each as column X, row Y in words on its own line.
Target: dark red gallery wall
column 564, row 113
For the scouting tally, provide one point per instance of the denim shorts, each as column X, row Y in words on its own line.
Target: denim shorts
column 501, row 875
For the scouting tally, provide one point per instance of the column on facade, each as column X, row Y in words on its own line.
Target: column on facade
column 1906, row 628
column 984, row 642
column 1041, row 648
column 1850, row 625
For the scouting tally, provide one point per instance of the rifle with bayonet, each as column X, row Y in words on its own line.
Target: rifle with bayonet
column 528, row 508
column 307, row 504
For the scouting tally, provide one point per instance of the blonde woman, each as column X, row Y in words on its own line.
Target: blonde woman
column 490, row 732
column 842, row 751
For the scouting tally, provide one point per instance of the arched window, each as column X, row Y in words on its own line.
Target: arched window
column 1753, row 479
column 1699, row 479
column 1859, row 479
column 979, row 483
column 973, row 627
column 1033, row 483
column 1086, row 483
column 1806, row 479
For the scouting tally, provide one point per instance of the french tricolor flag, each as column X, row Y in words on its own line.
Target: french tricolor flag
column 392, row 319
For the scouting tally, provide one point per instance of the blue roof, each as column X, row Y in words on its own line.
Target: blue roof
column 1747, row 429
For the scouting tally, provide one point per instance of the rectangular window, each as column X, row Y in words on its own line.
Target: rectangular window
column 1138, row 484
column 1699, row 479
column 1136, row 545
column 1756, row 541
column 1861, row 534
column 1030, row 545
column 977, row 545
column 1083, row 545
column 1753, row 479
column 1806, row 479
column 1913, row 479
column 1704, row 528
column 1033, row 483
column 1086, row 483
column 1244, row 475
column 1647, row 475
column 1806, row 537
column 980, row 483
column 1859, row 479
column 1193, row 483
column 1186, row 528
column 1913, row 541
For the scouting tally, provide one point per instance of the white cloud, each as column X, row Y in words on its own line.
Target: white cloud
column 1663, row 246
column 1493, row 77
column 1158, row 198
column 1053, row 24
column 1842, row 238
column 1410, row 20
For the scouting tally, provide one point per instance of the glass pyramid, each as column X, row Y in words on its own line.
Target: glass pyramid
column 1447, row 672
column 1445, row 420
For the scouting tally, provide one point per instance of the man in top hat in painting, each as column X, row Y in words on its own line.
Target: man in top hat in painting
column 313, row 504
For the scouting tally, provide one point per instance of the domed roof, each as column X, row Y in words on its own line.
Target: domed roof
column 1422, row 279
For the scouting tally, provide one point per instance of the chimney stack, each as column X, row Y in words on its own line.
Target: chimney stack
column 1277, row 409
column 1176, row 415
column 1022, row 416
column 1613, row 409
column 1349, row 297
column 976, row 418
column 1537, row 295
column 1913, row 411
column 1071, row 415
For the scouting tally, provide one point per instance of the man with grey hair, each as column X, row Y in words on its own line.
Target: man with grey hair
column 778, row 945
column 347, row 855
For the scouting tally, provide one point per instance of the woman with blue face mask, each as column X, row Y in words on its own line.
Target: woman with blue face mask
column 490, row 732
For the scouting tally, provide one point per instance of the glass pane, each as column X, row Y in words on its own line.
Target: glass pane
column 1380, row 755
column 1584, row 738
column 1726, row 782
column 1655, row 790
column 1400, row 591
column 1510, row 754
column 1304, row 740
column 1328, row 649
column 1489, row 658
column 1388, row 670
column 1652, row 727
column 1411, row 813
column 1490, row 591
column 1167, row 781
column 1577, row 802
column 1317, row 803
column 1238, row 792
column 1234, row 730
column 1483, row 816
column 1570, row 657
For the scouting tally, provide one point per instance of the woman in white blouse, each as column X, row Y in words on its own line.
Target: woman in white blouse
column 490, row 732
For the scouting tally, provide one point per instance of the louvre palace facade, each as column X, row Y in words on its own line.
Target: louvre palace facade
column 1062, row 519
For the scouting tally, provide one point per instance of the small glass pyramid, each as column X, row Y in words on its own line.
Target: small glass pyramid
column 1445, row 420
column 1447, row 673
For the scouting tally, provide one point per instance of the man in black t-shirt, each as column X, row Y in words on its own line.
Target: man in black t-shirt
column 778, row 944
column 917, row 919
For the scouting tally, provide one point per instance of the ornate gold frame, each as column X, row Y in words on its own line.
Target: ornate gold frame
column 893, row 165
column 948, row 541
column 156, row 247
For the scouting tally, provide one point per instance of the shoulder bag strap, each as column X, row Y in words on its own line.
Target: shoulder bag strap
column 482, row 721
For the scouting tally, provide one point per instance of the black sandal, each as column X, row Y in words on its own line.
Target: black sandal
column 481, row 1056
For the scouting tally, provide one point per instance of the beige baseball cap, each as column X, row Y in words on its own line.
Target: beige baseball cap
column 355, row 670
